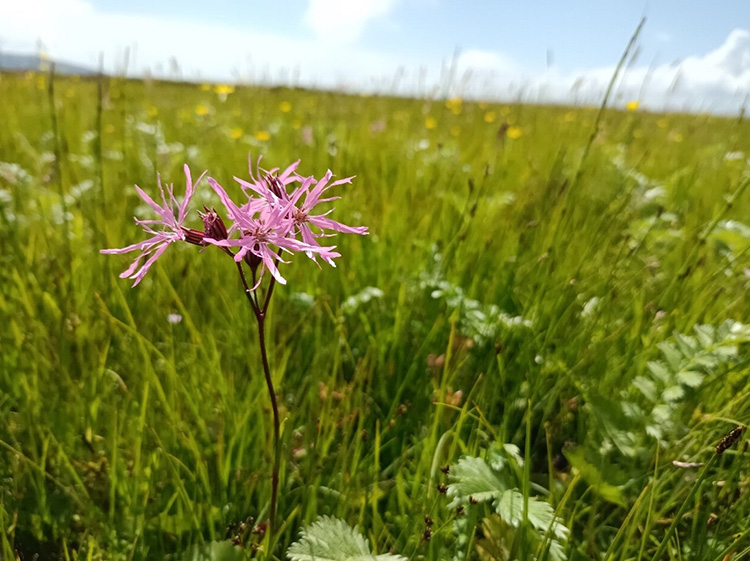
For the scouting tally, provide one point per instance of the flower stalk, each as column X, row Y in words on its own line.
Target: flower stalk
column 269, row 222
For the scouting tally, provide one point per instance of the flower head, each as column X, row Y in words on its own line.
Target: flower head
column 276, row 216
column 632, row 105
column 302, row 216
column 262, row 227
column 164, row 231
column 298, row 216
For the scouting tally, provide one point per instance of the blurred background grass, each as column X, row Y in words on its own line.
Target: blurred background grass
column 511, row 290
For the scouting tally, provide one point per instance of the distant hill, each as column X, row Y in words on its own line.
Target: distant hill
column 25, row 63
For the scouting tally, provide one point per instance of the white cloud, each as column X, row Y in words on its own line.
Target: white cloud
column 74, row 31
column 718, row 81
column 344, row 20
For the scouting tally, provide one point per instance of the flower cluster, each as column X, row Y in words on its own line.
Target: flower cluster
column 276, row 216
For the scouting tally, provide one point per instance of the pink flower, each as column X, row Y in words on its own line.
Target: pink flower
column 258, row 234
column 270, row 186
column 171, row 230
column 302, row 218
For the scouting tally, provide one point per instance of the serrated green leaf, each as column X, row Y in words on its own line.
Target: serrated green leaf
column 541, row 515
column 647, row 387
column 673, row 393
column 472, row 477
column 671, row 354
column 690, row 378
column 662, row 413
column 660, row 370
column 331, row 539
column 705, row 334
column 687, row 345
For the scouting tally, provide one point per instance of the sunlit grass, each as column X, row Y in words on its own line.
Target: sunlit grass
column 509, row 292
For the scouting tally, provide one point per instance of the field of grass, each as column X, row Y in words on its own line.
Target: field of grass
column 551, row 307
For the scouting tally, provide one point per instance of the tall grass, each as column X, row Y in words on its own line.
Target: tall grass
column 490, row 304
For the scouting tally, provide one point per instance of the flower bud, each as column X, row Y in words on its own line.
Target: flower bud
column 194, row 237
column 252, row 260
column 213, row 224
column 276, row 186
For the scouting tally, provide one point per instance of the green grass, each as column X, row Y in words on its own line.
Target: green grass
column 123, row 436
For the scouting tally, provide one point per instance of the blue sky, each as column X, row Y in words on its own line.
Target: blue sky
column 345, row 43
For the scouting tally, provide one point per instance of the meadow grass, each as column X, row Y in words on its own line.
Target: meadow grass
column 520, row 285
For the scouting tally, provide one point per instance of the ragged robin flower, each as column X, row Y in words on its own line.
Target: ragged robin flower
column 165, row 230
column 263, row 232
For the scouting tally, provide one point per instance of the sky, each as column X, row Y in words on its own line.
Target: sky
column 691, row 55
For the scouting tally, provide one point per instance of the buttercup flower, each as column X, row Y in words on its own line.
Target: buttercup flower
column 171, row 231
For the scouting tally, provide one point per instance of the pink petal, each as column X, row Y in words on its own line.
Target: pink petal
column 327, row 224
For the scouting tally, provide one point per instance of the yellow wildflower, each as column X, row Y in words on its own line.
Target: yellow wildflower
column 223, row 89
column 262, row 136
column 454, row 104
column 285, row 107
column 201, row 110
column 514, row 132
column 236, row 133
column 430, row 123
column 632, row 105
column 153, row 111
column 490, row 117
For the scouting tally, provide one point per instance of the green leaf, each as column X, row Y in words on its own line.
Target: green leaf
column 540, row 514
column 647, row 387
column 690, row 378
column 705, row 334
column 331, row 539
column 672, row 355
column 499, row 455
column 659, row 370
column 673, row 393
column 687, row 345
column 472, row 477
column 593, row 476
